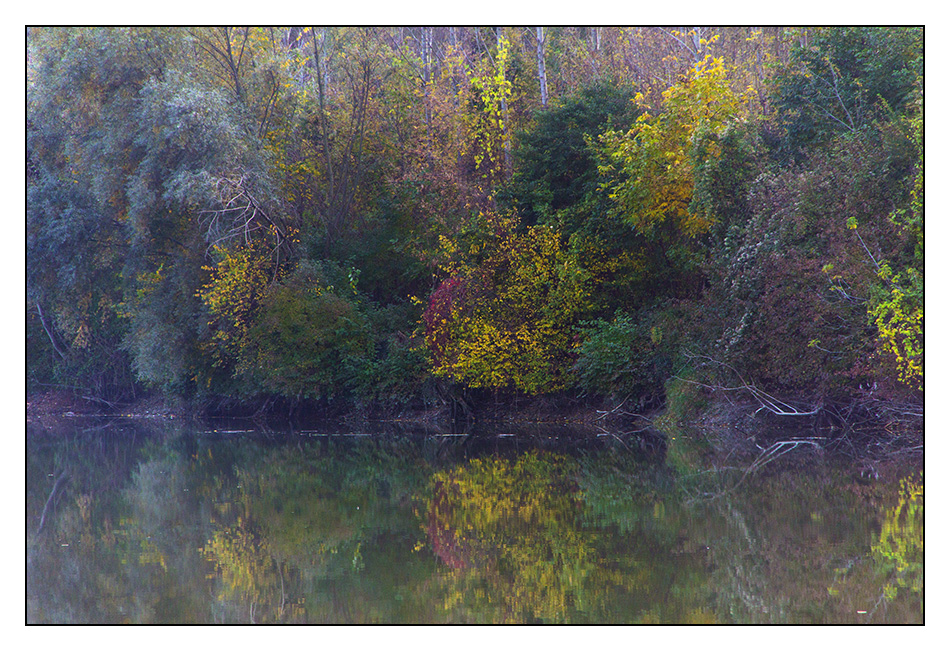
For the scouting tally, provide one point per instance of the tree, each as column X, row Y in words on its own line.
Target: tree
column 790, row 286
column 554, row 166
column 897, row 304
column 305, row 340
column 842, row 79
column 77, row 240
column 653, row 171
column 146, row 144
column 650, row 174
column 507, row 321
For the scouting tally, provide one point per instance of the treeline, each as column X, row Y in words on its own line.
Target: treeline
column 398, row 216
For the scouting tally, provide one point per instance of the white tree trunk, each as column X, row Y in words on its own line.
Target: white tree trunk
column 542, row 71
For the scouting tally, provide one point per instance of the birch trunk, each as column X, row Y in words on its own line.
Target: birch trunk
column 542, row 71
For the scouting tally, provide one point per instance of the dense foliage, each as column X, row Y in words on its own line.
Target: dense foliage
column 395, row 216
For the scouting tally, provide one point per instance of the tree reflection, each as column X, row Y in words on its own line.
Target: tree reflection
column 899, row 554
column 303, row 524
column 520, row 543
column 174, row 527
column 115, row 545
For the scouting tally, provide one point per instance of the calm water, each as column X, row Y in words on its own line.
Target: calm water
column 160, row 522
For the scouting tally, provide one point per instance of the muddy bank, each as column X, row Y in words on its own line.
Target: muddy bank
column 56, row 407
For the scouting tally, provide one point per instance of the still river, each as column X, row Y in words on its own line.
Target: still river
column 152, row 522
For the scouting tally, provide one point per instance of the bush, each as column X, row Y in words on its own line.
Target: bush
column 621, row 357
column 307, row 339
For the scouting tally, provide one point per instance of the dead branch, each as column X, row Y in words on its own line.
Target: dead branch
column 766, row 401
column 49, row 332
column 604, row 414
column 240, row 216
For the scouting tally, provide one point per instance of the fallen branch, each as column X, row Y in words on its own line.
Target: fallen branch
column 767, row 402
column 103, row 401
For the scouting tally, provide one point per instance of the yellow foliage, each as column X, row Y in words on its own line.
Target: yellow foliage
column 512, row 520
column 900, row 322
column 515, row 326
column 237, row 285
column 900, row 550
column 652, row 162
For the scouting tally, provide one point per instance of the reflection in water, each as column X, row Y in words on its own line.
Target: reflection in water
column 145, row 524
column 899, row 553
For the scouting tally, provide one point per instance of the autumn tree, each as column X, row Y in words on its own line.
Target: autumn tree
column 504, row 318
column 897, row 303
column 311, row 211
column 151, row 141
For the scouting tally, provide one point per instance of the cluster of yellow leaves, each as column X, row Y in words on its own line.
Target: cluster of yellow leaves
column 901, row 547
column 247, row 569
column 515, row 327
column 652, row 164
column 900, row 316
column 233, row 294
column 900, row 324
column 488, row 135
column 293, row 166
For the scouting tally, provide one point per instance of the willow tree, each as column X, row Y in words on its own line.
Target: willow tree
column 135, row 145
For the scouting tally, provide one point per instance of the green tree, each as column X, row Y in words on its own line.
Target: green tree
column 306, row 339
column 554, row 168
column 77, row 237
column 842, row 79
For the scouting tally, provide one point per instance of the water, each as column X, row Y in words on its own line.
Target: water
column 161, row 522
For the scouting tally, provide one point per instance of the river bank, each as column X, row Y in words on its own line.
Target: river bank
column 731, row 423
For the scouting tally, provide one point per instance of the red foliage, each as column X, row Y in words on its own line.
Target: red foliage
column 438, row 314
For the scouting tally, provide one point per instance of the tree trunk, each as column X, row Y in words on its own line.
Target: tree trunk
column 426, row 89
column 500, row 43
column 321, row 97
column 542, row 71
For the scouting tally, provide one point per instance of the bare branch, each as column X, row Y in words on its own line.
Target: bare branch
column 766, row 401
column 241, row 215
column 49, row 332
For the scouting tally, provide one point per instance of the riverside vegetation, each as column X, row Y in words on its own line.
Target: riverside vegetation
column 405, row 220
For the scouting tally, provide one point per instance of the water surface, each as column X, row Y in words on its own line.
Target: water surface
column 163, row 522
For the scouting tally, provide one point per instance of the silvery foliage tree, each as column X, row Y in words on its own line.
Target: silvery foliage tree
column 129, row 140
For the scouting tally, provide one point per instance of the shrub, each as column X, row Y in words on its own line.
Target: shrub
column 620, row 357
column 305, row 340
